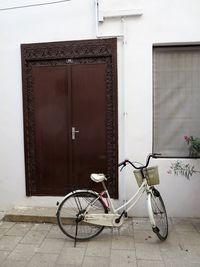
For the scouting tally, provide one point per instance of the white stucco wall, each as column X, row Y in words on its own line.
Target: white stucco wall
column 161, row 22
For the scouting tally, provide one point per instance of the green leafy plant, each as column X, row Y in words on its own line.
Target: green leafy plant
column 194, row 145
column 180, row 168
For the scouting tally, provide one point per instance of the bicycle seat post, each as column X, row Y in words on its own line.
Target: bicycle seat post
column 104, row 186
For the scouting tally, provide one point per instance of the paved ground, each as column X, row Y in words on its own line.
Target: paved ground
column 31, row 244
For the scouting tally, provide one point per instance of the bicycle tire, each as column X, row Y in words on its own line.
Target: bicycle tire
column 73, row 204
column 158, row 214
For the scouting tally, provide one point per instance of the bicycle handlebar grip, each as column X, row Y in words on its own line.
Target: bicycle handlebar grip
column 121, row 163
column 124, row 163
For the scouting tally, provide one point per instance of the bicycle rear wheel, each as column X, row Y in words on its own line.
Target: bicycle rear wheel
column 158, row 214
column 73, row 207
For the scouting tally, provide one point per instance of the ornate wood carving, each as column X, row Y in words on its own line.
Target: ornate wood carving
column 61, row 53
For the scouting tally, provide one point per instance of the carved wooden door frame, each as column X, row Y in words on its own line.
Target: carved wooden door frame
column 59, row 53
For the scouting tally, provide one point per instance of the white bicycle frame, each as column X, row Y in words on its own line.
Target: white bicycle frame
column 109, row 219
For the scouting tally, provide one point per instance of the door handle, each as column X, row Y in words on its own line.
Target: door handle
column 74, row 132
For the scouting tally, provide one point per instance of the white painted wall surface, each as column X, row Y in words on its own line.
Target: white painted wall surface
column 161, row 22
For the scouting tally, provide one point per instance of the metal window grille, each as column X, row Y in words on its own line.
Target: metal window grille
column 176, row 98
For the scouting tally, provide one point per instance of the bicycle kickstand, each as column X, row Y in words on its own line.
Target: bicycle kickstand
column 76, row 233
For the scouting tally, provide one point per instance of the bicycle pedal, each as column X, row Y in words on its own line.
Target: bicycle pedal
column 156, row 229
column 156, row 192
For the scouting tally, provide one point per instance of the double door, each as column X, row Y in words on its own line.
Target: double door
column 70, row 124
column 70, row 116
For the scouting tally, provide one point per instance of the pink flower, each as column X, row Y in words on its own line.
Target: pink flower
column 186, row 138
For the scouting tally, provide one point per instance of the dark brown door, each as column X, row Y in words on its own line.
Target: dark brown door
column 89, row 152
column 70, row 115
column 70, row 124
column 51, row 129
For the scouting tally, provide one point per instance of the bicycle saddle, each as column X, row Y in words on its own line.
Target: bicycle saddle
column 98, row 177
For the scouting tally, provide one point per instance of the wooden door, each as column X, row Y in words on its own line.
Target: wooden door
column 70, row 126
column 70, row 115
column 52, row 135
column 89, row 151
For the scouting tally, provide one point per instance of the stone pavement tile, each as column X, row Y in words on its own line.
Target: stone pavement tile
column 3, row 231
column 193, row 253
column 122, row 258
column 105, row 235
column 144, row 224
column 172, row 240
column 148, row 252
column 196, row 225
column 180, row 219
column 190, row 238
column 95, row 261
column 145, row 236
column 43, row 260
column 140, row 219
column 6, row 225
column 123, row 242
column 71, row 256
column 150, row 263
column 55, row 232
column 22, row 253
column 20, row 229
column 98, row 248
column 195, row 219
column 34, row 237
column 177, row 263
column 141, row 224
column 9, row 242
column 126, row 229
column 69, row 243
column 11, row 263
column 174, row 252
column 183, row 227
column 42, row 227
column 187, row 256
column 115, row 231
column 3, row 255
column 53, row 245
column 107, row 231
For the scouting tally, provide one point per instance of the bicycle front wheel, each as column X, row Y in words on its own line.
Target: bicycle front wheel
column 74, row 205
column 158, row 214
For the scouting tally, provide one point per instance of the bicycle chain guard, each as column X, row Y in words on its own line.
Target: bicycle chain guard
column 104, row 219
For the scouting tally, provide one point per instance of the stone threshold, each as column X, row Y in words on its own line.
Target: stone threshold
column 31, row 214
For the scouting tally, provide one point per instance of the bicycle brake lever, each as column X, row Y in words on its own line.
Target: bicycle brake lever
column 107, row 176
column 121, row 168
column 124, row 165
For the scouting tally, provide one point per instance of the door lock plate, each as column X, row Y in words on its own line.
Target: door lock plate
column 74, row 132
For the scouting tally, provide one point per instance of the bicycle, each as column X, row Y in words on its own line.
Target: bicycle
column 82, row 214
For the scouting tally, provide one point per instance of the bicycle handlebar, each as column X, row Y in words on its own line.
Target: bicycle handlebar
column 124, row 163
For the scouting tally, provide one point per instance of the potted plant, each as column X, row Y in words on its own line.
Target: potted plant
column 194, row 145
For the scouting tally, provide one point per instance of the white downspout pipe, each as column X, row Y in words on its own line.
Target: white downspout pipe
column 124, row 97
column 123, row 37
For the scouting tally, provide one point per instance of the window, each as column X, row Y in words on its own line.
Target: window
column 176, row 106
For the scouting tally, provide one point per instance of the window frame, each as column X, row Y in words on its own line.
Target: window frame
column 179, row 46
